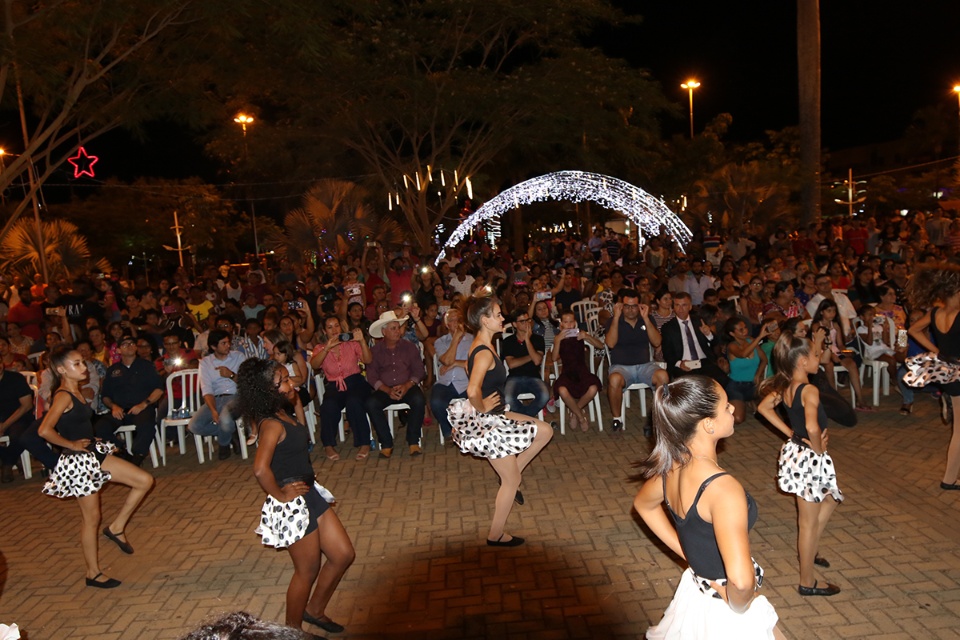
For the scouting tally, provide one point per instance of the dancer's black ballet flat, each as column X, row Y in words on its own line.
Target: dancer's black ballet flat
column 949, row 487
column 109, row 583
column 512, row 542
column 821, row 562
column 518, row 498
column 829, row 590
column 124, row 546
column 324, row 623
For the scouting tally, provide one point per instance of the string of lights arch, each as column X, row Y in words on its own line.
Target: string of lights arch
column 646, row 211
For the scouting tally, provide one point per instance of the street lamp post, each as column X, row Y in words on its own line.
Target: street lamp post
column 956, row 89
column 690, row 85
column 243, row 120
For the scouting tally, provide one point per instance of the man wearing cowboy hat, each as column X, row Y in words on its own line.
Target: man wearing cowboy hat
column 395, row 375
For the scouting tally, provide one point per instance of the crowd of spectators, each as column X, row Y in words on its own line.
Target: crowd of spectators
column 382, row 327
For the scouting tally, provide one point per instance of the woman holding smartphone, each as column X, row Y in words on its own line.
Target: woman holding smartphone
column 576, row 386
column 339, row 358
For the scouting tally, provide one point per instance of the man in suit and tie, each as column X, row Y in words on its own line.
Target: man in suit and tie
column 687, row 342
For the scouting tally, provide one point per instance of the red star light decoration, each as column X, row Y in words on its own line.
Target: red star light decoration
column 83, row 163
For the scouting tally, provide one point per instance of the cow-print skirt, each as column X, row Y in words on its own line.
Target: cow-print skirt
column 283, row 523
column 488, row 435
column 78, row 473
column 928, row 368
column 804, row 473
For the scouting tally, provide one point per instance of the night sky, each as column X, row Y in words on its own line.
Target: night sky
column 880, row 62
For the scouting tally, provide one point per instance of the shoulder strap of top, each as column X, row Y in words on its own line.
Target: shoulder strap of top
column 703, row 486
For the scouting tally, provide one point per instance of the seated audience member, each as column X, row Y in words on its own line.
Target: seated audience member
column 452, row 349
column 688, row 344
column 130, row 391
column 523, row 352
column 629, row 336
column 250, row 343
column 344, row 387
column 96, row 372
column 16, row 414
column 748, row 364
column 11, row 361
column 218, row 372
column 395, row 374
column 576, row 386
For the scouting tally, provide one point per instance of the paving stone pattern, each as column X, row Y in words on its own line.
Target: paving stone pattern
column 588, row 570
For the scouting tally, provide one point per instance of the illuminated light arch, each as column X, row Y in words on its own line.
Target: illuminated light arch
column 646, row 211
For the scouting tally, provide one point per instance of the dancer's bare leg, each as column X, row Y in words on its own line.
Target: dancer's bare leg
column 336, row 546
column 807, row 539
column 89, row 530
column 509, row 471
column 305, row 553
column 140, row 483
column 952, row 469
column 544, row 434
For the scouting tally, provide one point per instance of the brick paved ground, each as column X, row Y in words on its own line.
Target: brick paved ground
column 588, row 569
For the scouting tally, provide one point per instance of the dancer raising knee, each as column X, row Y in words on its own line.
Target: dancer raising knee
column 937, row 289
column 296, row 515
column 86, row 463
column 481, row 425
column 805, row 469
column 712, row 517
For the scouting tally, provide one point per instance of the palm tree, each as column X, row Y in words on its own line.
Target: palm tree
column 739, row 194
column 808, row 63
column 335, row 219
column 65, row 248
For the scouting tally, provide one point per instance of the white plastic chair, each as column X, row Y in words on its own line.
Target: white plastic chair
column 640, row 387
column 128, row 430
column 878, row 369
column 25, row 465
column 188, row 381
column 594, row 406
column 581, row 308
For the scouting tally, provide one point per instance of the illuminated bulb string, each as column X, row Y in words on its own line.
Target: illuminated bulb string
column 647, row 212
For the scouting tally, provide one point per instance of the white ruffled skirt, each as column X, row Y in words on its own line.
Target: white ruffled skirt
column 696, row 614
column 804, row 473
column 283, row 523
column 488, row 435
column 78, row 474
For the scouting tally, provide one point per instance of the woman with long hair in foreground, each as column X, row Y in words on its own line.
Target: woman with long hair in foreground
column 710, row 517
column 296, row 515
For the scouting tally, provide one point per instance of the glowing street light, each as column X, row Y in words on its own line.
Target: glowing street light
column 690, row 85
column 243, row 120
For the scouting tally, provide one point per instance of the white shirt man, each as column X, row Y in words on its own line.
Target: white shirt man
column 218, row 373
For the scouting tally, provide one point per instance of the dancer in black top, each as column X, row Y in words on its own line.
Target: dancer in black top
column 87, row 464
column 937, row 289
column 711, row 517
column 483, row 427
column 296, row 514
column 805, row 468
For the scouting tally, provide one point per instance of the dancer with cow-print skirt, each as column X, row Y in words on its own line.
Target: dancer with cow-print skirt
column 806, row 470
column 86, row 464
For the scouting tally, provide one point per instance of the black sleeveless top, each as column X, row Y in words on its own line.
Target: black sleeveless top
column 697, row 537
column 291, row 457
column 798, row 420
column 948, row 343
column 494, row 379
column 76, row 424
